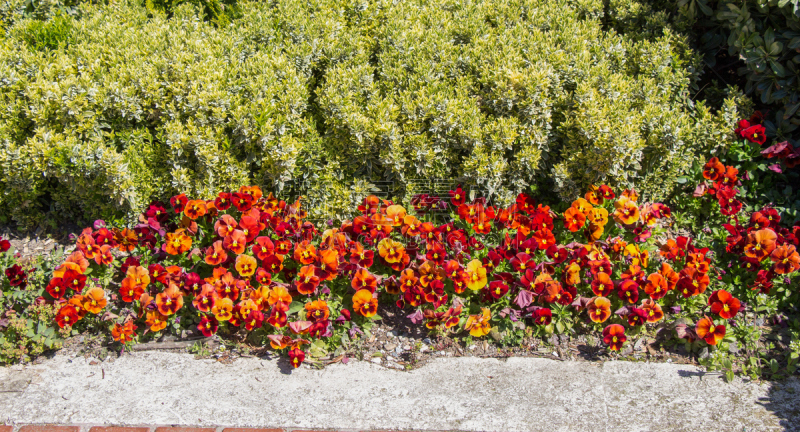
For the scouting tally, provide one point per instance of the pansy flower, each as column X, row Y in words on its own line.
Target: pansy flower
column 636, row 316
column 317, row 311
column 208, row 325
column 457, row 197
column 177, row 243
column 236, row 242
column 77, row 301
column 434, row 293
column 94, row 301
column 273, row 264
column 296, row 357
column 155, row 321
column 223, row 309
column 129, row 290
column 124, row 333
column 522, row 262
column 708, row 331
column 544, row 238
column 497, row 289
column 169, row 301
column 56, row 288
column 253, row 320
column 408, row 279
column 436, row 252
column 104, row 236
column 626, row 211
column 652, row 310
column 246, row 266
column 364, row 280
column 760, row 244
column 656, row 286
column 606, row 192
column 414, row 296
column 307, row 280
column 599, row 309
column 328, row 265
column 205, row 300
column 67, row 316
column 215, row 254
column 157, row 273
column 755, row 134
column 242, row 201
column 88, row 246
column 178, row 202
column 574, row 219
column 602, row 285
column 476, row 275
column 225, row 225
column 692, row 282
column 228, row 286
column 263, row 248
column 360, row 256
column 763, row 282
column 628, row 291
column 223, row 201
column 391, row 251
column 19, row 277
column 479, row 325
column 195, row 209
column 614, row 336
column 364, row 303
column 250, row 226
column 395, row 214
column 542, row 316
column 786, row 259
column 724, row 304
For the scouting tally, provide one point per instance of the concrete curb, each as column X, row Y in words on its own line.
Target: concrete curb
column 467, row 394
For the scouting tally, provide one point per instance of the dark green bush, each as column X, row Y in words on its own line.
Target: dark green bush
column 765, row 35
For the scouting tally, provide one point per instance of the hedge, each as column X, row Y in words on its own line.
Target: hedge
column 108, row 107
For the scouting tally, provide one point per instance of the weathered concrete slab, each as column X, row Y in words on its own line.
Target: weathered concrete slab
column 520, row 394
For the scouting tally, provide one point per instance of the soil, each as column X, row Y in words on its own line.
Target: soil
column 38, row 242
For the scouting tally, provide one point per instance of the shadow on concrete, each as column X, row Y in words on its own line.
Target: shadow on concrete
column 783, row 400
column 285, row 367
column 689, row 374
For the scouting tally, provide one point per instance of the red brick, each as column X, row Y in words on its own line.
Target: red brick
column 49, row 428
column 250, row 430
column 118, row 429
column 6, row 428
column 184, row 429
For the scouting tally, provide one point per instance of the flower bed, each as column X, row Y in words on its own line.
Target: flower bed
column 250, row 264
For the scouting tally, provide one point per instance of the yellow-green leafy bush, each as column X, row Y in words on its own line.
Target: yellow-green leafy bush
column 115, row 105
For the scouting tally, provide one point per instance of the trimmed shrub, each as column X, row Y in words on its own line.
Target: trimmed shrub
column 329, row 95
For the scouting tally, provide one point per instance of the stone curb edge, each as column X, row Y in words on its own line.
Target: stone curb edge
column 161, row 428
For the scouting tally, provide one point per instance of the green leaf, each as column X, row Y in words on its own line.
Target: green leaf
column 295, row 307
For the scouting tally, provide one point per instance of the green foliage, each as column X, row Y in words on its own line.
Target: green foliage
column 765, row 34
column 27, row 329
column 321, row 97
column 220, row 12
column 48, row 35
